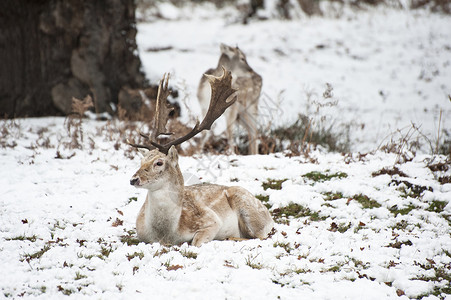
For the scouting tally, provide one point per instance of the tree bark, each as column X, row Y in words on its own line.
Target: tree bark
column 51, row 51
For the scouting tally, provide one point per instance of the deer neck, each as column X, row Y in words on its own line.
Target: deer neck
column 167, row 198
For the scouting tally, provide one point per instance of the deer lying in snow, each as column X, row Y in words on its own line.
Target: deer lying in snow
column 249, row 85
column 174, row 213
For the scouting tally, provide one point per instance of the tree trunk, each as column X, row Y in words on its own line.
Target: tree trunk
column 51, row 51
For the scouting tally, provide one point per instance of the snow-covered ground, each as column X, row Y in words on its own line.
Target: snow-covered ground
column 66, row 217
column 389, row 68
column 364, row 227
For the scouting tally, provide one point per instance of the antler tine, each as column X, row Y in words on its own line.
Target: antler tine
column 140, row 145
column 221, row 90
column 162, row 109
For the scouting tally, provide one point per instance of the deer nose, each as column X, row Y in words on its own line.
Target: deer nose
column 134, row 181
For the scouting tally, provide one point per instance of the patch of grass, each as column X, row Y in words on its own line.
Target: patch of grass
column 66, row 292
column 36, row 255
column 130, row 238
column 389, row 171
column 136, row 254
column 408, row 189
column 441, row 273
column 188, row 254
column 401, row 225
column 332, row 196
column 171, row 267
column 161, row 251
column 131, row 199
column 306, row 131
column 398, row 244
column 105, row 252
column 444, row 179
column 286, row 246
column 321, row 177
column 342, row 227
column 302, row 271
column 274, row 184
column 437, row 206
column 250, row 262
column 32, row 238
column 334, row 269
column 264, row 199
column 402, row 211
column 79, row 276
column 365, row 201
column 296, row 211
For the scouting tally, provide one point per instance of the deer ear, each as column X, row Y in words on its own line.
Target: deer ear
column 173, row 155
column 227, row 50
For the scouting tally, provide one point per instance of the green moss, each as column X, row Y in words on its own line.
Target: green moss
column 365, row 201
column 334, row 269
column 105, row 252
column 296, row 211
column 79, row 276
column 286, row 246
column 437, row 206
column 411, row 190
column 188, row 254
column 264, row 199
column 250, row 262
column 320, row 177
column 403, row 211
column 36, row 255
column 274, row 184
column 402, row 225
column 130, row 238
column 343, row 227
column 140, row 255
column 302, row 271
column 441, row 274
column 32, row 238
column 332, row 196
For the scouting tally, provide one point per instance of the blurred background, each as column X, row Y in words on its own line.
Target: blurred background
column 345, row 75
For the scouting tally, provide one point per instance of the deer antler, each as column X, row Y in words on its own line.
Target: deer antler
column 221, row 90
column 163, row 109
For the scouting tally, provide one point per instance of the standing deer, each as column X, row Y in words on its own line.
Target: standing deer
column 174, row 213
column 249, row 85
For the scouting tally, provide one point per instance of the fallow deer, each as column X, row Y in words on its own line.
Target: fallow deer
column 174, row 213
column 249, row 85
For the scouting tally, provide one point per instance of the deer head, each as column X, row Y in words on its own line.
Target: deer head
column 234, row 60
column 221, row 91
column 157, row 170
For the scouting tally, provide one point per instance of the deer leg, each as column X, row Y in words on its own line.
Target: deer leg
column 205, row 235
column 254, row 220
column 249, row 121
column 204, row 139
column 231, row 120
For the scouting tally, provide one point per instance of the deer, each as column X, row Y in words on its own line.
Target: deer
column 249, row 85
column 174, row 213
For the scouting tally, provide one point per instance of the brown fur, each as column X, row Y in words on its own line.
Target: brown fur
column 174, row 213
column 249, row 85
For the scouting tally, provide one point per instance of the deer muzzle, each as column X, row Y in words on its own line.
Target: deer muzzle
column 134, row 181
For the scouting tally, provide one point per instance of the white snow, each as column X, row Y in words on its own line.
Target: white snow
column 389, row 68
column 64, row 212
